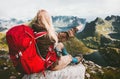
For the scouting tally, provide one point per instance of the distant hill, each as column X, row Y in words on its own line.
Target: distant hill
column 6, row 24
column 63, row 23
column 60, row 22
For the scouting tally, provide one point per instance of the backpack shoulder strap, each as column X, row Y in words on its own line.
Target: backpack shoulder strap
column 39, row 34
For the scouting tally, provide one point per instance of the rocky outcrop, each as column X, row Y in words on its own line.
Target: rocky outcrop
column 94, row 71
column 70, row 72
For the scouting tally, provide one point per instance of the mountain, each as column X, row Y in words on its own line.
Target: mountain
column 104, row 36
column 2, row 29
column 6, row 24
column 63, row 23
column 115, row 21
column 60, row 22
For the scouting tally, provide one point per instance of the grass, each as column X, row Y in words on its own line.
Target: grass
column 3, row 44
column 75, row 46
column 109, row 73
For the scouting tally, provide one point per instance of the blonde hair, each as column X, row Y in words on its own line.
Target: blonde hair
column 45, row 20
column 30, row 23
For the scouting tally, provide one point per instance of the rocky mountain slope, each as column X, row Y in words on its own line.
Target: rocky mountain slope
column 103, row 35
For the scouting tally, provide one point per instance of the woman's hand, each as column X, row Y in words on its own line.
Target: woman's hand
column 79, row 27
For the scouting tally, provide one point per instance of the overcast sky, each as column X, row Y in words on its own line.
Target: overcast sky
column 89, row 9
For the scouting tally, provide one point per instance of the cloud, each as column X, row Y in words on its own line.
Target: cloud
column 82, row 8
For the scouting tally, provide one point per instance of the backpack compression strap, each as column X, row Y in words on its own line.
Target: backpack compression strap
column 39, row 34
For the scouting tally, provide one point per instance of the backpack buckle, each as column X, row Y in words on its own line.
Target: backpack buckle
column 19, row 54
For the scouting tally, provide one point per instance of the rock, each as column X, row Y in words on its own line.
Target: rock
column 13, row 77
column 109, row 67
column 70, row 72
column 93, row 72
column 87, row 75
column 101, row 71
column 98, row 66
column 5, row 68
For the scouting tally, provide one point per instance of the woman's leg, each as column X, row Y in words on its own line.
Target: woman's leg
column 60, row 47
column 64, row 51
column 74, row 59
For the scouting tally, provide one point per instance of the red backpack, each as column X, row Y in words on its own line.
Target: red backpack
column 22, row 50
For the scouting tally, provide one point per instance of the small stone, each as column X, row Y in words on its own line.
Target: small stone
column 13, row 77
column 87, row 75
column 5, row 68
column 12, row 72
column 93, row 72
column 98, row 66
column 19, row 73
column 101, row 71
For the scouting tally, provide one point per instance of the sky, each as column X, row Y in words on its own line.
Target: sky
column 89, row 9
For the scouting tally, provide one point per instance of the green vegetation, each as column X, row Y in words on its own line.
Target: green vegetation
column 75, row 46
column 111, row 55
column 109, row 73
column 7, row 69
column 3, row 44
column 105, row 28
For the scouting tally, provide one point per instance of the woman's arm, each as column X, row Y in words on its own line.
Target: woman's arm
column 63, row 36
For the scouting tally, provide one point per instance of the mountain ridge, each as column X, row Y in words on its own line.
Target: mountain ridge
column 103, row 35
column 58, row 21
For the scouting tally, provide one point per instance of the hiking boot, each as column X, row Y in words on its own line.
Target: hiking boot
column 80, row 58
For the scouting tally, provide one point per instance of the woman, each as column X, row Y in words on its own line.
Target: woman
column 44, row 23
